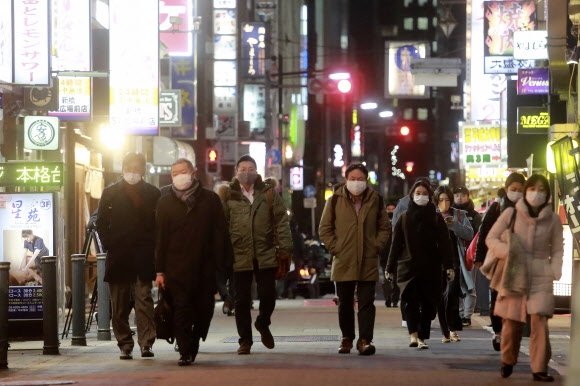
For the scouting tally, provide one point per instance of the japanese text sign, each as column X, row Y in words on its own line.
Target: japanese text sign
column 479, row 145
column 31, row 174
column 253, row 50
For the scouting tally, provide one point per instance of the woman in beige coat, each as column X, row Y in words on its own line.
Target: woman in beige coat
column 539, row 232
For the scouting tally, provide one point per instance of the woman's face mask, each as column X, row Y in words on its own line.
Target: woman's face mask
column 444, row 203
column 420, row 199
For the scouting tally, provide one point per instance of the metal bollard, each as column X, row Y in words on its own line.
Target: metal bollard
column 78, row 300
column 49, row 306
column 4, row 275
column 103, row 321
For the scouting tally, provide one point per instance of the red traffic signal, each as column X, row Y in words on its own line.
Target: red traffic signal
column 405, row 130
column 344, row 86
column 211, row 161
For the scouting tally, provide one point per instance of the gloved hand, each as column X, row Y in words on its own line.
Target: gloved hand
column 388, row 276
column 450, row 274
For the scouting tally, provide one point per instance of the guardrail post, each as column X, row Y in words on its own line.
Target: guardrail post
column 104, row 316
column 78, row 300
column 49, row 306
column 4, row 269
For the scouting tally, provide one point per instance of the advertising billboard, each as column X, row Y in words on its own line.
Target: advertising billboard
column 74, row 99
column 71, row 35
column 31, row 42
column 479, row 145
column 6, row 41
column 134, row 67
column 253, row 50
column 400, row 83
column 174, row 35
column 533, row 81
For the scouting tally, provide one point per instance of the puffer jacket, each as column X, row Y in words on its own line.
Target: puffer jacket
column 354, row 240
column 251, row 226
column 542, row 239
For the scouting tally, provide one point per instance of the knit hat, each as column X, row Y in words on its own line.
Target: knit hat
column 515, row 177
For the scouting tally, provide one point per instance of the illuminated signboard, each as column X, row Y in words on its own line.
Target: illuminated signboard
column 31, row 42
column 40, row 132
column 6, row 41
column 253, row 50
column 178, row 42
column 533, row 81
column 501, row 20
column 224, row 47
column 531, row 45
column 533, row 120
column 399, row 80
column 31, row 174
column 479, row 145
column 74, row 99
column 224, row 21
column 71, row 40
column 255, row 107
column 134, row 67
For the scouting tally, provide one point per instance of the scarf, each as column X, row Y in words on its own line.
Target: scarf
column 134, row 192
column 422, row 230
column 187, row 195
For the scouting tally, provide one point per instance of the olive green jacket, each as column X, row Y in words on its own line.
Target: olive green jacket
column 251, row 226
column 354, row 241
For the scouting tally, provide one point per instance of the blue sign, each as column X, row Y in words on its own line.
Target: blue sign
column 274, row 157
column 309, row 191
column 24, row 302
column 253, row 50
column 183, row 78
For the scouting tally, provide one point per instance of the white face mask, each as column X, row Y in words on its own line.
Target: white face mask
column 535, row 199
column 514, row 196
column 132, row 178
column 182, row 181
column 421, row 200
column 356, row 187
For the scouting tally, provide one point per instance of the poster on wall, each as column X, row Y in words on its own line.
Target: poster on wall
column 501, row 20
column 27, row 223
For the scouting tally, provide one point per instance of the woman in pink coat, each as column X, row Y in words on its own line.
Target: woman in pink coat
column 539, row 232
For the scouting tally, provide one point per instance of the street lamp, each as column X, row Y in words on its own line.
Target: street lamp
column 113, row 139
column 386, row 114
column 369, row 106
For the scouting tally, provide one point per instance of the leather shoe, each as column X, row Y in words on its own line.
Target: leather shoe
column 146, row 352
column 506, row 370
column 365, row 347
column 226, row 307
column 184, row 360
column 245, row 348
column 345, row 346
column 267, row 338
column 543, row 377
column 126, row 354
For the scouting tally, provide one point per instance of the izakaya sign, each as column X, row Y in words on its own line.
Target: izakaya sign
column 479, row 145
column 40, row 133
column 32, row 173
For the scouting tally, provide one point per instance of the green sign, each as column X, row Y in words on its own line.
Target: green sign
column 31, row 173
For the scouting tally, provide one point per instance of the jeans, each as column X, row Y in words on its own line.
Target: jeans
column 366, row 308
column 266, row 285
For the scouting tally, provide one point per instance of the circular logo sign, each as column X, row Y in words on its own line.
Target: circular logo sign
column 41, row 133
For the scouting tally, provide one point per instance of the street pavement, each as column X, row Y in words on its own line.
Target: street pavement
column 307, row 338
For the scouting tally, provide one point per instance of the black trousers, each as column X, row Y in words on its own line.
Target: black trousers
column 266, row 285
column 448, row 310
column 365, row 291
column 225, row 285
column 184, row 304
column 419, row 309
column 496, row 322
column 391, row 290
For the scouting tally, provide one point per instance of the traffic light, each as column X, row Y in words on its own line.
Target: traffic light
column 409, row 167
column 211, row 161
column 344, row 86
column 340, row 82
column 404, row 130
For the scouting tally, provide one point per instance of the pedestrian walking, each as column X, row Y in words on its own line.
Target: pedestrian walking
column 257, row 221
column 126, row 225
column 514, row 186
column 192, row 247
column 459, row 231
column 355, row 228
column 421, row 246
column 535, row 264
column 467, row 302
column 390, row 289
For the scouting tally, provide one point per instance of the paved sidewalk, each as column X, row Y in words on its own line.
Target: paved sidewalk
column 307, row 337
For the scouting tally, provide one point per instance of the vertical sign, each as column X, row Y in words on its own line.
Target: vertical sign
column 178, row 43
column 6, row 41
column 134, row 67
column 31, row 42
column 183, row 78
column 253, row 50
column 255, row 107
column 27, row 223
column 501, row 20
column 74, row 99
column 71, row 39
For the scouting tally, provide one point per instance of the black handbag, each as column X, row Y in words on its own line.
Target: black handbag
column 164, row 318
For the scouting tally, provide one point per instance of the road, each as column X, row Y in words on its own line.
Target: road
column 307, row 337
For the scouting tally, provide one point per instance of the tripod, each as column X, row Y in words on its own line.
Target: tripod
column 91, row 235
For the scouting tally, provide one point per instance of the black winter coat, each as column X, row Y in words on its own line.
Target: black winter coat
column 127, row 232
column 193, row 245
column 489, row 218
column 427, row 252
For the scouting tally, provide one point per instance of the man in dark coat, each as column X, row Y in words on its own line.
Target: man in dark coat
column 192, row 246
column 126, row 224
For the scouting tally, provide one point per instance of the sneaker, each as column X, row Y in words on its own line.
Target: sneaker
column 365, row 347
column 445, row 340
column 496, row 342
column 422, row 345
column 454, row 337
column 245, row 348
column 184, row 360
column 404, row 324
column 126, row 354
column 146, row 352
column 466, row 322
column 267, row 338
column 345, row 346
